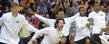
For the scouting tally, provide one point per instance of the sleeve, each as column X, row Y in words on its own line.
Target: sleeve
column 45, row 20
column 40, row 33
column 104, row 15
column 90, row 18
column 71, row 19
column 28, row 26
column 90, row 15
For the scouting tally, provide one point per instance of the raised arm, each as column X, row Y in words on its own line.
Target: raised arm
column 71, row 19
column 26, row 25
column 45, row 20
column 29, row 27
column 36, row 35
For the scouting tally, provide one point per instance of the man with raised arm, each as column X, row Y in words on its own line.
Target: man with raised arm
column 11, row 24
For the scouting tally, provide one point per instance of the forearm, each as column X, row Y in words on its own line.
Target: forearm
column 72, row 18
column 43, row 19
column 31, row 28
column 33, row 41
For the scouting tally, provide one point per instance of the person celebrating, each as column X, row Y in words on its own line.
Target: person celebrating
column 82, row 31
column 11, row 24
column 99, row 22
column 52, row 35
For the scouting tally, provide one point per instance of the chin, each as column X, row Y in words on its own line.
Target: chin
column 61, row 27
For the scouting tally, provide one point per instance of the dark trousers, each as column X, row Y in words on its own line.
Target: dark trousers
column 68, row 41
column 96, row 39
column 2, row 43
column 82, row 41
column 24, row 40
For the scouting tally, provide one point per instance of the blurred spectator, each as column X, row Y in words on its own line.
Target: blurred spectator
column 74, row 9
column 66, row 7
column 74, row 0
column 91, row 2
column 31, row 1
column 72, row 33
column 52, row 12
column 31, row 6
column 43, row 7
column 21, row 4
column 63, row 40
column 5, row 10
column 28, row 4
column 23, row 1
column 104, row 7
column 36, row 20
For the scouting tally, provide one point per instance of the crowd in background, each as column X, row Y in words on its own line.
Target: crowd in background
column 51, row 8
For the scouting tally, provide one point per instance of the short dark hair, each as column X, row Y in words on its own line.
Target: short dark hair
column 57, row 21
column 14, row 4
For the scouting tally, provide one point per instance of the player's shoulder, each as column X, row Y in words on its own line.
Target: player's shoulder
column 48, row 27
column 21, row 16
column 101, row 12
column 93, row 12
column 6, row 14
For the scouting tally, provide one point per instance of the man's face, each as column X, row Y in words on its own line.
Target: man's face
column 96, row 6
column 15, row 9
column 60, row 14
column 82, row 11
column 41, row 1
column 60, row 24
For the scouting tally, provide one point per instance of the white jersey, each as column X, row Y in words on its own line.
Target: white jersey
column 81, row 30
column 11, row 26
column 51, row 22
column 104, row 38
column 99, row 21
column 51, row 35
